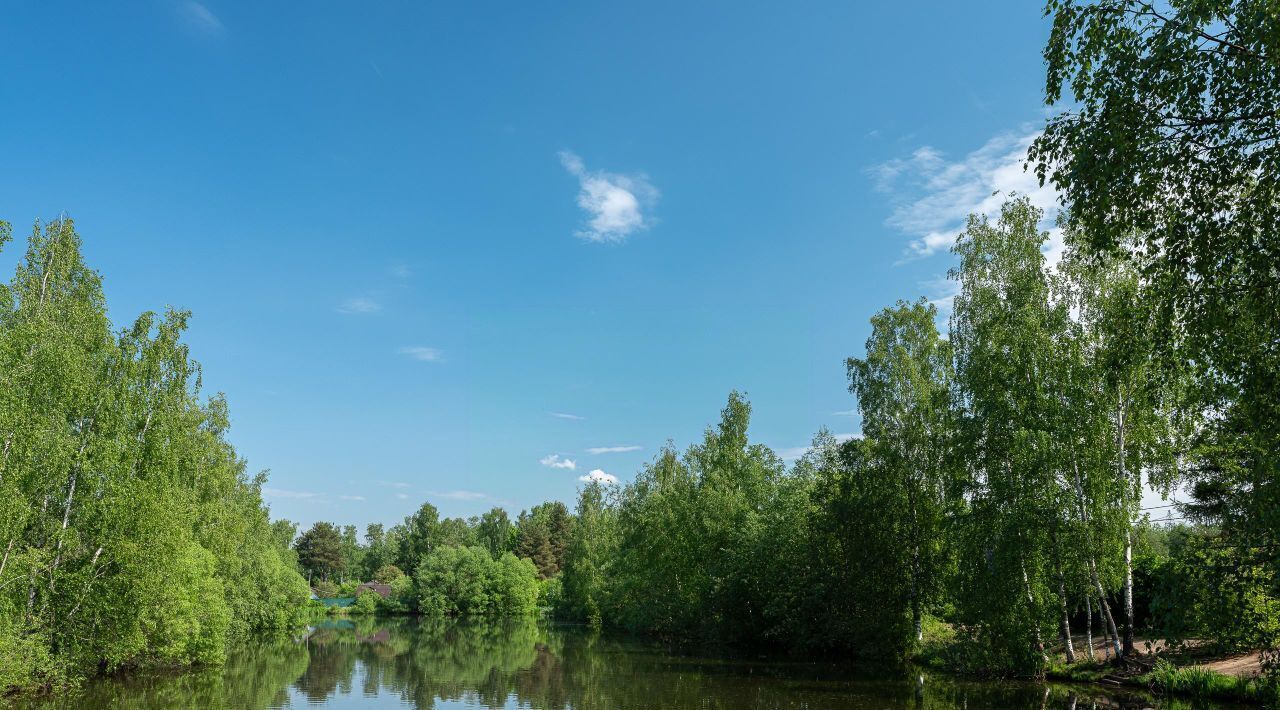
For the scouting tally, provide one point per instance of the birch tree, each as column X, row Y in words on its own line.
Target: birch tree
column 903, row 388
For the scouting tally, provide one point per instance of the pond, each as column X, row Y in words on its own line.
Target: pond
column 410, row 663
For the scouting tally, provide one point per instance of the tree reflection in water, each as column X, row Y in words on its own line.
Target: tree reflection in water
column 435, row 663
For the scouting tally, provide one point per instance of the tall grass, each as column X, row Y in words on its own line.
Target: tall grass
column 1200, row 682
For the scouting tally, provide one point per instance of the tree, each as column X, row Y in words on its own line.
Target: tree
column 130, row 533
column 534, row 544
column 352, row 553
column 903, row 386
column 421, row 535
column 1002, row 330
column 494, row 532
column 1171, row 155
column 592, row 545
column 542, row 535
column 320, row 551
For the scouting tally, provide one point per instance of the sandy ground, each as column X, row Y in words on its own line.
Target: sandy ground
column 1244, row 665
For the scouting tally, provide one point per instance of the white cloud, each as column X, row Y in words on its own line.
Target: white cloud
column 394, row 484
column 281, row 493
column 563, row 415
column 459, row 495
column 402, row 496
column 401, row 271
column 554, row 461
column 424, row 354
column 202, row 17
column 351, row 497
column 359, row 304
column 615, row 204
column 845, row 413
column 612, row 449
column 933, row 196
column 598, row 476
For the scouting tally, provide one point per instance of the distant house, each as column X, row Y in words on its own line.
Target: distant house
column 383, row 590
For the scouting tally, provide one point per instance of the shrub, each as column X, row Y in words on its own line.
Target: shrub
column 468, row 581
column 366, row 603
column 27, row 662
column 387, row 574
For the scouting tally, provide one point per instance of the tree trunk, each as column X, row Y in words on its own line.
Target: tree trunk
column 4, row 463
column 1128, row 534
column 1088, row 627
column 1065, row 630
column 1104, row 606
column 1031, row 603
column 1105, row 610
column 1128, row 593
column 5, row 562
column 66, row 519
column 917, row 617
column 31, row 579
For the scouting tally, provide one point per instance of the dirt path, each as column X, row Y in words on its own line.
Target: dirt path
column 1243, row 665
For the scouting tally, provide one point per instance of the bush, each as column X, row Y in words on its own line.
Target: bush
column 27, row 662
column 366, row 603
column 467, row 581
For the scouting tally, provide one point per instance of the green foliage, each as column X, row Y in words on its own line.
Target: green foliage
column 402, row 599
column 1168, row 157
column 1202, row 683
column 467, row 581
column 542, row 536
column 366, row 604
column 494, row 532
column 131, row 533
column 325, row 589
column 387, row 574
column 320, row 551
column 1204, row 589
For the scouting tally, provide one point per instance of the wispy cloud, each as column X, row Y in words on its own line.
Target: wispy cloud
column 845, row 413
column 345, row 497
column 615, row 204
column 554, row 461
column 933, row 195
column 422, row 353
column 612, row 449
column 599, row 476
column 358, row 305
column 791, row 453
column 564, row 415
column 402, row 496
column 394, row 484
column 202, row 18
column 941, row 292
column 459, row 495
column 401, row 271
column 282, row 493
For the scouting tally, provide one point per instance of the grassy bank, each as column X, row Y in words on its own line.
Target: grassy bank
column 944, row 649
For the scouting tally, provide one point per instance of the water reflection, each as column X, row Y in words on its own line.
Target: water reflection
column 379, row 663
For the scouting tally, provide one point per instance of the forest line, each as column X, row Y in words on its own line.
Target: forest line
column 990, row 508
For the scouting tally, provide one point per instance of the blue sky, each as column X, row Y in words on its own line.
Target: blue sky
column 435, row 251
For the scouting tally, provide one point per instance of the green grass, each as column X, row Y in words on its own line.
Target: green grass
column 1200, row 682
column 1080, row 671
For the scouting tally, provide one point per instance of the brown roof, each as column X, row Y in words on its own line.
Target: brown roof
column 383, row 590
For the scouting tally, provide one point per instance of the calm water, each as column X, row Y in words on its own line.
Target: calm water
column 523, row 664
